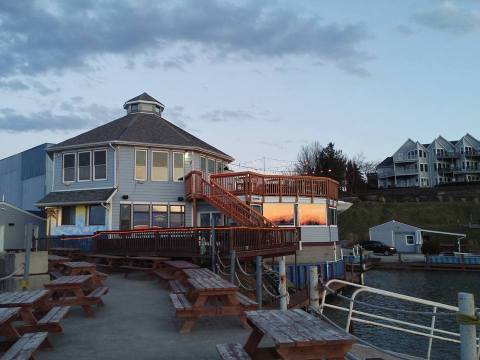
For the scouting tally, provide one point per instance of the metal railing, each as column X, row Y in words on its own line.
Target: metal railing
column 431, row 332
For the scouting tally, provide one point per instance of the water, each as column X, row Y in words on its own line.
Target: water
column 437, row 286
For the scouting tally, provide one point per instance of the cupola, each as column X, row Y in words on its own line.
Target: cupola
column 144, row 103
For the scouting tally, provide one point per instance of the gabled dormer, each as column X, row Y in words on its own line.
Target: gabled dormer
column 144, row 103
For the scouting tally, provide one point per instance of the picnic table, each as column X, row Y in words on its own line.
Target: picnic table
column 35, row 310
column 72, row 291
column 113, row 262
column 209, row 296
column 19, row 347
column 84, row 268
column 175, row 270
column 148, row 264
column 72, row 252
column 296, row 335
column 55, row 260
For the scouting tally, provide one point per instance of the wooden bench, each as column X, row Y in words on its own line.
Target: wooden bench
column 246, row 302
column 177, row 287
column 55, row 274
column 98, row 293
column 181, row 304
column 232, row 352
column 164, row 275
column 53, row 317
column 101, row 275
column 25, row 347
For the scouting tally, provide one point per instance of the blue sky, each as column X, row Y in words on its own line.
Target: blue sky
column 256, row 79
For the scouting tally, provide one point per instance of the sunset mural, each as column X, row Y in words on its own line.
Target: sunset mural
column 312, row 214
column 280, row 214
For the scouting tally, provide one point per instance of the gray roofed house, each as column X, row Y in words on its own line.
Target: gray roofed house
column 62, row 198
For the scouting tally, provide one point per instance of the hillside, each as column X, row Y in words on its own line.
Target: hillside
column 453, row 216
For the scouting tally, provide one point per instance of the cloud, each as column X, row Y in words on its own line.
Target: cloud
column 227, row 115
column 36, row 37
column 176, row 114
column 449, row 18
column 404, row 30
column 19, row 85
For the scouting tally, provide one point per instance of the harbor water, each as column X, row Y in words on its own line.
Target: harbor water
column 439, row 286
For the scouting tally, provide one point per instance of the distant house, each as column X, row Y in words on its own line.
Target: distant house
column 26, row 177
column 426, row 165
column 405, row 238
column 17, row 226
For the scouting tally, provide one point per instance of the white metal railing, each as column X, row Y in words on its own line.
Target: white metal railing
column 430, row 332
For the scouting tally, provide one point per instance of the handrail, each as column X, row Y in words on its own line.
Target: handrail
column 430, row 332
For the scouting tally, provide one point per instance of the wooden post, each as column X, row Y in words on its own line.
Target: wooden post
column 283, row 283
column 313, row 288
column 233, row 257
column 468, row 341
column 258, row 281
column 213, row 244
column 26, row 266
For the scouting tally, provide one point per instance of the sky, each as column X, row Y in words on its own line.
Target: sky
column 257, row 79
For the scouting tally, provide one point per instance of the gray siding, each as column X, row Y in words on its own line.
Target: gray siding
column 15, row 225
column 58, row 184
column 319, row 233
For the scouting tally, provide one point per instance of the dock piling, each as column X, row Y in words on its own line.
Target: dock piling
column 258, row 282
column 313, row 288
column 283, row 283
column 468, row 341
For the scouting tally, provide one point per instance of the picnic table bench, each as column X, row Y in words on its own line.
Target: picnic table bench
column 36, row 311
column 174, row 270
column 84, row 268
column 111, row 262
column 296, row 335
column 72, row 291
column 148, row 264
column 207, row 296
column 55, row 260
column 25, row 346
column 72, row 253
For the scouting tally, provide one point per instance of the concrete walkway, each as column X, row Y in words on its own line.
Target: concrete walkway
column 138, row 322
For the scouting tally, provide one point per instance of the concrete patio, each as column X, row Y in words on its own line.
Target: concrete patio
column 138, row 321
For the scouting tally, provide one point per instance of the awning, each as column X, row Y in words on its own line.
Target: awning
column 74, row 197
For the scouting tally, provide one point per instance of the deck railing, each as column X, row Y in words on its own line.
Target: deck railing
column 186, row 242
column 248, row 183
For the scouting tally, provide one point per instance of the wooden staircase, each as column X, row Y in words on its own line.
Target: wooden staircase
column 198, row 188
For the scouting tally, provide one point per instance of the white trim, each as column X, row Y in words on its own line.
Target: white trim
column 168, row 163
column 74, row 167
column 145, row 102
column 90, row 188
column 106, row 164
column 159, row 204
column 173, row 166
column 89, row 166
column 406, row 240
column 135, row 165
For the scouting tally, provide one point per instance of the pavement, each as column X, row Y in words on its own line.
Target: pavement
column 138, row 322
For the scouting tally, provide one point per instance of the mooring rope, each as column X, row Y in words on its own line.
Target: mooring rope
column 22, row 267
column 242, row 285
column 243, row 271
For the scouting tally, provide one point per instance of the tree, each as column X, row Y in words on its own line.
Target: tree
column 316, row 160
column 355, row 183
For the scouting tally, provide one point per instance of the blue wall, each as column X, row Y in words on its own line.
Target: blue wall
column 24, row 179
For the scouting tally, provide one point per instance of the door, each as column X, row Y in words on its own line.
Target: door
column 2, row 237
column 205, row 218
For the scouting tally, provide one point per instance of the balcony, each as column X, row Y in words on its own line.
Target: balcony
column 474, row 154
column 404, row 158
column 459, row 170
column 248, row 183
column 406, row 171
column 448, row 155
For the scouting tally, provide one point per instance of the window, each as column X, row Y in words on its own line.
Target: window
column 141, row 165
column 159, row 166
column 68, row 215
column 100, row 165
column 410, row 239
column 177, row 216
column 425, row 167
column 141, row 216
column 125, row 216
column 211, row 166
column 332, row 216
column 84, row 167
column 68, row 167
column 203, row 165
column 312, row 214
column 156, row 109
column 96, row 215
column 159, row 216
column 134, row 108
column 219, row 167
column 280, row 213
column 178, row 166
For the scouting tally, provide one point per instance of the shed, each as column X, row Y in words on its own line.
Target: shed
column 405, row 238
column 16, row 225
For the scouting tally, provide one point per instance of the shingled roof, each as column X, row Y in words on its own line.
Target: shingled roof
column 140, row 128
column 95, row 196
column 387, row 162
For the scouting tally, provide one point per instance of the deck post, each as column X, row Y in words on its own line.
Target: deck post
column 468, row 341
column 26, row 266
column 313, row 288
column 258, row 281
column 233, row 257
column 283, row 283
column 213, row 244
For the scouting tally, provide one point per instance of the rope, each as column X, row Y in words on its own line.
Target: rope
column 244, row 272
column 220, row 262
column 221, row 272
column 398, row 355
column 287, row 295
column 22, row 266
column 242, row 285
column 411, row 312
